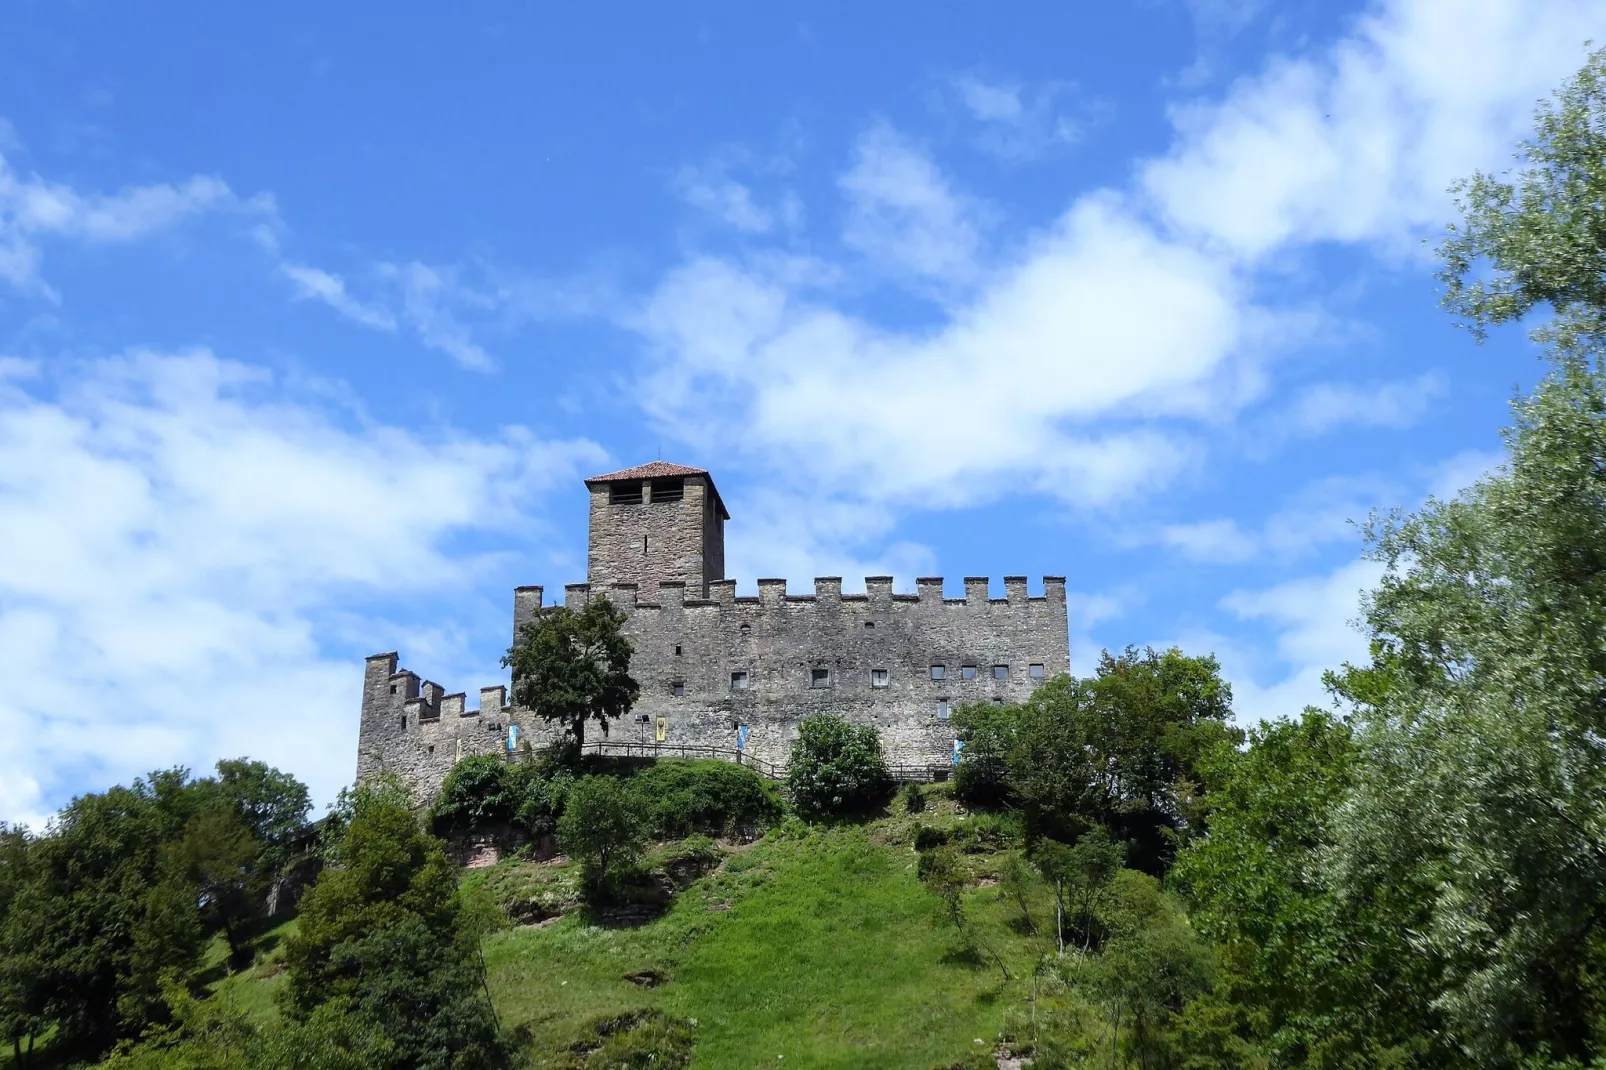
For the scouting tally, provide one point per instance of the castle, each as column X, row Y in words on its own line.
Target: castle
column 737, row 674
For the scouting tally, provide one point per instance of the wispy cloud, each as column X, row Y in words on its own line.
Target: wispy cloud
column 1015, row 122
column 318, row 285
column 33, row 209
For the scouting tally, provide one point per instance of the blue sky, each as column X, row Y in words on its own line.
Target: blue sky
column 310, row 329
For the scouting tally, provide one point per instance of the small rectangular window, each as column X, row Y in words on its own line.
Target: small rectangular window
column 432, row 750
column 677, row 651
column 668, row 490
column 739, row 681
column 878, row 677
column 939, row 672
column 624, row 493
column 942, row 709
column 1000, row 672
column 1035, row 671
column 678, row 688
column 819, row 677
column 967, row 672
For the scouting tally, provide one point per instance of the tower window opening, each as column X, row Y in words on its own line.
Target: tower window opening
column 819, row 677
column 404, row 722
column 967, row 672
column 746, row 630
column 668, row 490
column 1035, row 671
column 624, row 493
column 869, row 625
column 677, row 650
column 644, row 544
column 739, row 680
column 678, row 688
column 1000, row 672
column 878, row 677
column 942, row 709
column 939, row 672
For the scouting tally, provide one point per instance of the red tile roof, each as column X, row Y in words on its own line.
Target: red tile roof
column 662, row 470
column 650, row 470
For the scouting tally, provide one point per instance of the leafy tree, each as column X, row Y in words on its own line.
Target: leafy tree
column 570, row 667
column 1120, row 749
column 220, row 856
column 1080, row 877
column 104, row 912
column 836, row 767
column 21, row 996
column 989, row 733
column 273, row 804
column 1302, row 978
column 604, row 824
column 384, row 934
column 1543, row 233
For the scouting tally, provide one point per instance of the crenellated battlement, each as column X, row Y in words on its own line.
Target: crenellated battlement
column 931, row 590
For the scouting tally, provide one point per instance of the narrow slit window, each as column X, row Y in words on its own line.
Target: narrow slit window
column 879, row 677
column 819, row 677
column 739, row 680
column 644, row 544
column 1000, row 672
column 404, row 722
column 432, row 750
column 1035, row 671
column 939, row 672
column 678, row 688
column 677, row 650
column 967, row 672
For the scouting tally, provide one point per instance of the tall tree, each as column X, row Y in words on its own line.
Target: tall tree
column 570, row 667
column 384, row 933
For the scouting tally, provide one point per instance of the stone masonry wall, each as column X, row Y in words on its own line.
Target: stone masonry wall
column 648, row 542
column 410, row 727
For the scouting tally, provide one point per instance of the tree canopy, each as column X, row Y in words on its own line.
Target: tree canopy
column 570, row 667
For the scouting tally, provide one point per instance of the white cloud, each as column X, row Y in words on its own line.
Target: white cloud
column 1313, row 620
column 430, row 297
column 725, row 199
column 1017, row 124
column 32, row 208
column 1216, row 541
column 1464, row 469
column 191, row 553
column 1322, row 407
column 1359, row 143
column 902, row 213
column 318, row 285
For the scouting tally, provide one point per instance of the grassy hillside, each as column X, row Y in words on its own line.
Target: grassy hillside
column 813, row 947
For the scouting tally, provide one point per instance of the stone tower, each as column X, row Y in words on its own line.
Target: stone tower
column 656, row 523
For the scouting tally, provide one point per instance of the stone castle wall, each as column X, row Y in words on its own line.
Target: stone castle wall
column 686, row 650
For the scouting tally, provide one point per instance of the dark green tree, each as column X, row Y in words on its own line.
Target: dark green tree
column 604, row 825
column 836, row 767
column 222, row 858
column 384, row 934
column 1121, row 749
column 570, row 667
column 21, row 996
column 989, row 733
column 105, row 911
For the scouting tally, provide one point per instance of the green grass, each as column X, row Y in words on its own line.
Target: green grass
column 821, row 947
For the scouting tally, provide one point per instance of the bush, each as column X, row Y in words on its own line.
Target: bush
column 604, row 824
column 836, row 767
column 986, row 833
column 914, row 799
column 705, row 796
column 988, row 732
column 479, row 791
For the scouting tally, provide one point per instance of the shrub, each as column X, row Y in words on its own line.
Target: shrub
column 836, row 767
column 706, row 796
column 988, row 732
column 604, row 824
column 543, row 789
column 985, row 833
column 914, row 799
column 479, row 791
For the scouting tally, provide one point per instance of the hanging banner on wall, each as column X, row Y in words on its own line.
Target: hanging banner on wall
column 959, row 745
column 512, row 737
column 663, row 729
column 741, row 737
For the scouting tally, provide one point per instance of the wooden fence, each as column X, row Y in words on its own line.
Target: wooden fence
column 623, row 749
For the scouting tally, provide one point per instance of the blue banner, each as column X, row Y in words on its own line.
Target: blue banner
column 959, row 745
column 741, row 737
column 512, row 737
